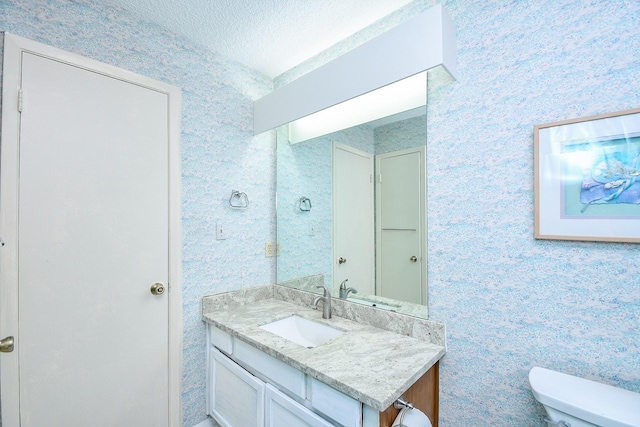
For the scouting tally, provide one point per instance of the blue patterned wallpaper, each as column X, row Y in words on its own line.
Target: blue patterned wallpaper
column 400, row 135
column 509, row 301
column 219, row 152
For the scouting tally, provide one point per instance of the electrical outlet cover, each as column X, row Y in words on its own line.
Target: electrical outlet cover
column 268, row 249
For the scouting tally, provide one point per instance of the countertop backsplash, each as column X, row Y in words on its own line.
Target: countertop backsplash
column 422, row 329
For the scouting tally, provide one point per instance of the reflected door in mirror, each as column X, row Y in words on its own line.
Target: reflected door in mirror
column 400, row 225
column 353, row 227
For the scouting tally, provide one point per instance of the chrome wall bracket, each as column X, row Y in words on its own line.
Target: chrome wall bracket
column 401, row 403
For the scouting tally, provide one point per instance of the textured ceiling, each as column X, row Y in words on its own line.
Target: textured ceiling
column 270, row 36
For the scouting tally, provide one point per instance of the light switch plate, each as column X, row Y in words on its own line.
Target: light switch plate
column 221, row 231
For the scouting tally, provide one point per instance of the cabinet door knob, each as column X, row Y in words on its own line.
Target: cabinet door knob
column 414, row 258
column 342, row 260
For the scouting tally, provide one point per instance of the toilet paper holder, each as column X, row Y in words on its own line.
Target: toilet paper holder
column 402, row 403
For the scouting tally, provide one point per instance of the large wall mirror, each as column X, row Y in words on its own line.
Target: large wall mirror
column 351, row 201
column 351, row 209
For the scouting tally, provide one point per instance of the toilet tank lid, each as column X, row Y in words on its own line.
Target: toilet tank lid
column 597, row 403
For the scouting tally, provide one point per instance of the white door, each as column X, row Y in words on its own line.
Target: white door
column 400, row 225
column 353, row 246
column 92, row 340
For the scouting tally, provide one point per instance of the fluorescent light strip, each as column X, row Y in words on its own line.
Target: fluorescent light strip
column 394, row 98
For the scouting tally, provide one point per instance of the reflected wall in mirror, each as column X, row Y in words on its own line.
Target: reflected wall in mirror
column 336, row 221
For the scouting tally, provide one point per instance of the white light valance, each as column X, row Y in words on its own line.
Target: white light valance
column 422, row 43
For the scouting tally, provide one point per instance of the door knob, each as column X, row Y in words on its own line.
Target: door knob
column 6, row 345
column 157, row 289
column 414, row 258
column 342, row 260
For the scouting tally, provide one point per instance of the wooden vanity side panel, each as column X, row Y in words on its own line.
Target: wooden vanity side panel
column 424, row 394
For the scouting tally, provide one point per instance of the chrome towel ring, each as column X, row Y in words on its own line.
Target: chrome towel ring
column 238, row 200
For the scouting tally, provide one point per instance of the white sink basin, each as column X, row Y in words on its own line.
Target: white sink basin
column 302, row 331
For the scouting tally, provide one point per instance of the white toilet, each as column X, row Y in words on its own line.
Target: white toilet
column 578, row 402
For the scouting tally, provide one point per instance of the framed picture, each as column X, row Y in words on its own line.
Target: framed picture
column 587, row 178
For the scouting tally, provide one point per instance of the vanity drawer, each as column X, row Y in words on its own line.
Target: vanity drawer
column 272, row 369
column 220, row 339
column 336, row 405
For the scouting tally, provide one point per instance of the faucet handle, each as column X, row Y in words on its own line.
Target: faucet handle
column 343, row 285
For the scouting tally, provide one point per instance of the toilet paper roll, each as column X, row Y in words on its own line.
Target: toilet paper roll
column 411, row 418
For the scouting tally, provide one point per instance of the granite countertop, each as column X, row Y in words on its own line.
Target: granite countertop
column 372, row 365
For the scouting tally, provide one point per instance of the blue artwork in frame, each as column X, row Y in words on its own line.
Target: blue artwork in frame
column 608, row 173
column 587, row 178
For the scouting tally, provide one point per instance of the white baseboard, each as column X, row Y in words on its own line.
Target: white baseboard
column 209, row 422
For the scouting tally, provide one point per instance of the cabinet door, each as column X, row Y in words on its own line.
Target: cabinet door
column 237, row 397
column 283, row 411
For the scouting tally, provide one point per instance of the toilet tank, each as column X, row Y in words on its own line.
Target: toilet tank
column 597, row 403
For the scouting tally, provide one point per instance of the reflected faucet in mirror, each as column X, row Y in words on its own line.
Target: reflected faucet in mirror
column 344, row 291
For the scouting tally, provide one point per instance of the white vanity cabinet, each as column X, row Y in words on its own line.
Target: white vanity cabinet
column 280, row 383
column 249, row 388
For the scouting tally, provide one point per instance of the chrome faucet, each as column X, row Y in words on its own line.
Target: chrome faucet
column 326, row 302
column 344, row 291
